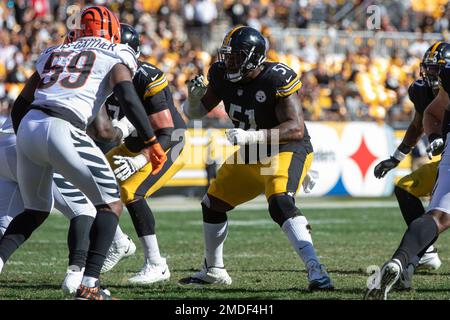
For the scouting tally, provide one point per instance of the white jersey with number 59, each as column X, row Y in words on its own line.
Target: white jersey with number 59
column 74, row 77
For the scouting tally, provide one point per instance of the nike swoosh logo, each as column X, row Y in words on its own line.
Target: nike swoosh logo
column 164, row 272
column 154, row 78
column 287, row 81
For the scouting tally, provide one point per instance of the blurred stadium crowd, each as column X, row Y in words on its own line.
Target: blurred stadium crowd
column 180, row 36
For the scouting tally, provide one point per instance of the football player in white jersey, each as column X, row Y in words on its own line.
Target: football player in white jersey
column 71, row 83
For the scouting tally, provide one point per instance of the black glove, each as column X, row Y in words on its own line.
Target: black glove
column 384, row 167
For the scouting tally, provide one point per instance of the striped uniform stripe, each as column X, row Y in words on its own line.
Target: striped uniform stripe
column 290, row 88
column 227, row 39
column 156, row 86
column 436, row 45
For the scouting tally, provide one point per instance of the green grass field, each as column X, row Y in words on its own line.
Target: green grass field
column 258, row 257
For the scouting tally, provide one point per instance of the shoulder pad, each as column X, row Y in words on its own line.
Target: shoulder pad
column 285, row 80
column 127, row 56
column 154, row 80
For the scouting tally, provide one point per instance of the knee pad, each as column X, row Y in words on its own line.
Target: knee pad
column 282, row 207
column 210, row 215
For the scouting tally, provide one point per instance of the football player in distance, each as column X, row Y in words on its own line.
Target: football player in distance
column 423, row 231
column 420, row 182
column 261, row 99
column 70, row 84
column 133, row 173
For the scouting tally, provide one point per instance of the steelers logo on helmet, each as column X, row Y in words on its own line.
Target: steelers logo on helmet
column 243, row 50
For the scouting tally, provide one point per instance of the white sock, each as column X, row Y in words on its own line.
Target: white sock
column 300, row 238
column 215, row 235
column 1, row 264
column 89, row 281
column 119, row 234
column 151, row 249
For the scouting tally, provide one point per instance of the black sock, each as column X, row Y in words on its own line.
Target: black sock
column 142, row 217
column 19, row 230
column 421, row 233
column 101, row 237
column 410, row 206
column 78, row 240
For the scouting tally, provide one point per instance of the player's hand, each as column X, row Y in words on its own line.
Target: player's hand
column 127, row 166
column 385, row 166
column 156, row 156
column 196, row 89
column 242, row 137
column 435, row 148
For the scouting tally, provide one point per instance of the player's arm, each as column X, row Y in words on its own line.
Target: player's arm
column 105, row 130
column 24, row 100
column 432, row 122
column 412, row 135
column 161, row 120
column 124, row 90
column 201, row 99
column 289, row 113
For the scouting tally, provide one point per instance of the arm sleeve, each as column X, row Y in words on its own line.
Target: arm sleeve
column 134, row 110
column 215, row 75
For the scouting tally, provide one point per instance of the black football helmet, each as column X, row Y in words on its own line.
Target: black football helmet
column 437, row 56
column 129, row 35
column 242, row 50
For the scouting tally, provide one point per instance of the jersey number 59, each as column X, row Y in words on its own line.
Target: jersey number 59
column 58, row 63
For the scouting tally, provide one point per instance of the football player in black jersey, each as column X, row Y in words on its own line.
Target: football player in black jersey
column 424, row 230
column 133, row 172
column 261, row 99
column 420, row 182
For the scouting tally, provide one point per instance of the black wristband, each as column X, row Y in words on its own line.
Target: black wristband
column 434, row 136
column 404, row 148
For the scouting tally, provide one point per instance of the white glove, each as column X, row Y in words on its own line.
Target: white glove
column 436, row 147
column 126, row 166
column 123, row 125
column 310, row 180
column 242, row 137
column 193, row 107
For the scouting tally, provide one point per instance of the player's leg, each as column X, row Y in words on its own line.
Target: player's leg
column 75, row 156
column 289, row 170
column 408, row 191
column 134, row 192
column 235, row 184
column 81, row 213
column 33, row 170
column 11, row 203
column 421, row 233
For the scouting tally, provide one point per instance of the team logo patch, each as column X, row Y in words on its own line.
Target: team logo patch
column 240, row 92
column 260, row 96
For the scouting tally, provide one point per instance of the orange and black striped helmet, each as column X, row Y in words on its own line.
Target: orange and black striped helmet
column 98, row 21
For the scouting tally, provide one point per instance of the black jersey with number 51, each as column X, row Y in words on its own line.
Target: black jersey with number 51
column 251, row 105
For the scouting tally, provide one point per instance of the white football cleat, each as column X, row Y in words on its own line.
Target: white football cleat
column 318, row 277
column 389, row 275
column 208, row 275
column 151, row 273
column 72, row 280
column 430, row 260
column 119, row 249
